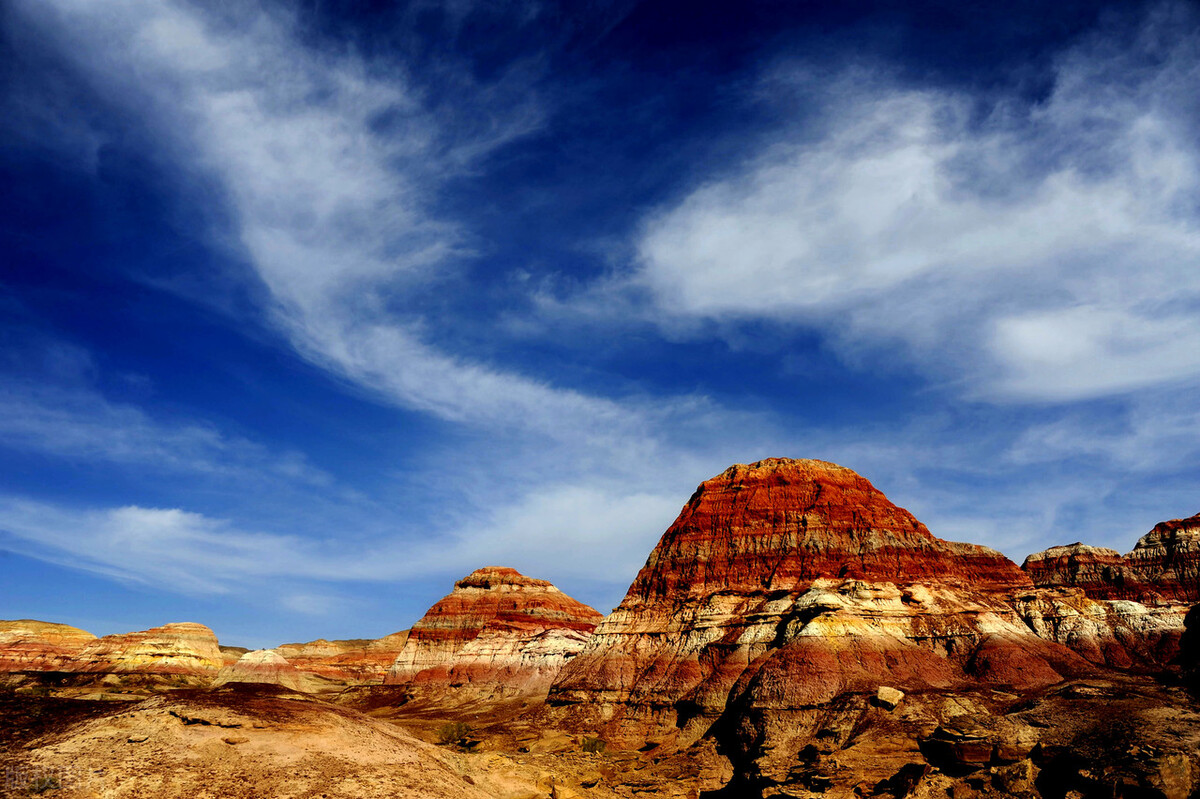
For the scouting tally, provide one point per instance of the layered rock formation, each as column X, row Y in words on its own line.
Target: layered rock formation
column 792, row 620
column 38, row 646
column 781, row 524
column 498, row 633
column 187, row 653
column 1163, row 568
column 352, row 662
column 231, row 654
column 1099, row 571
column 788, row 593
column 262, row 666
column 1119, row 634
column 183, row 649
column 182, row 653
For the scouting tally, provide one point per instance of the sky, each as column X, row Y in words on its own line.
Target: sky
column 309, row 308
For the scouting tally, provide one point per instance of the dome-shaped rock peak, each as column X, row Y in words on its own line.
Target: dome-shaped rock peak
column 1100, row 571
column 786, row 584
column 497, row 633
column 262, row 666
column 780, row 524
column 183, row 649
column 1168, row 558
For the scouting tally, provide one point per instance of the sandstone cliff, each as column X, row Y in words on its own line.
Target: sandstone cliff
column 498, row 633
column 1163, row 568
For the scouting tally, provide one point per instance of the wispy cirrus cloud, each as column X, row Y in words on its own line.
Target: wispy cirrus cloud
column 1037, row 250
column 1040, row 249
column 332, row 166
column 1012, row 496
column 569, row 532
column 168, row 548
column 78, row 424
column 1155, row 435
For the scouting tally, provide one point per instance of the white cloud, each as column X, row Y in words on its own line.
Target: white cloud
column 334, row 216
column 1043, row 252
column 192, row 553
column 1090, row 350
column 80, row 425
column 310, row 604
column 1158, row 435
column 579, row 528
column 1048, row 251
column 573, row 532
column 169, row 548
column 331, row 166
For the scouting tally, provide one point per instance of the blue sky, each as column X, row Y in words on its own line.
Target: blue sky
column 309, row 308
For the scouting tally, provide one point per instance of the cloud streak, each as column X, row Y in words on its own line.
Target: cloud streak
column 1035, row 251
column 568, row 532
column 168, row 548
column 1039, row 251
column 332, row 166
column 80, row 425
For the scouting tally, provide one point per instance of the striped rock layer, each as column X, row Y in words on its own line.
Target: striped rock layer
column 1163, row 568
column 786, row 584
column 182, row 653
column 189, row 653
column 359, row 662
column 181, row 649
column 498, row 633
column 28, row 645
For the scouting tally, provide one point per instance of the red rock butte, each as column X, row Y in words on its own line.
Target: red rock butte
column 499, row 595
column 784, row 585
column 779, row 524
column 498, row 630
